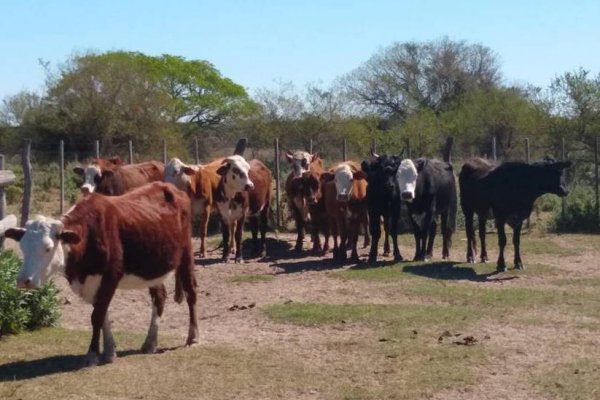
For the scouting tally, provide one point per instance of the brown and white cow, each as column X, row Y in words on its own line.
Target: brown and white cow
column 112, row 177
column 303, row 194
column 244, row 191
column 133, row 241
column 345, row 197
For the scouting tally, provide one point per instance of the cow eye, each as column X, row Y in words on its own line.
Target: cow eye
column 304, row 163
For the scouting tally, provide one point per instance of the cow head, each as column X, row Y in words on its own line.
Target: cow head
column 234, row 174
column 407, row 178
column 41, row 244
column 344, row 178
column 381, row 176
column 178, row 173
column 550, row 176
column 96, row 171
column 300, row 161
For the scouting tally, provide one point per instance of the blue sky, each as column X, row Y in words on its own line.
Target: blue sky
column 258, row 43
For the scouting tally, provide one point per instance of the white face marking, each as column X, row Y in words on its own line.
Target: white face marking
column 90, row 173
column 174, row 174
column 344, row 180
column 42, row 252
column 236, row 178
column 87, row 291
column 406, row 176
column 300, row 161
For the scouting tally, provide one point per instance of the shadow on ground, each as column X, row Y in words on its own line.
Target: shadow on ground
column 22, row 370
column 450, row 270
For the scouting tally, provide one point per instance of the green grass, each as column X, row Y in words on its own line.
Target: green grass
column 570, row 381
column 250, row 278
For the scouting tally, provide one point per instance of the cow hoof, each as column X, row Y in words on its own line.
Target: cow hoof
column 238, row 260
column 191, row 342
column 470, row 260
column 386, row 253
column 91, row 359
column 519, row 265
column 148, row 348
column 398, row 258
column 372, row 259
column 501, row 268
column 484, row 260
column 109, row 358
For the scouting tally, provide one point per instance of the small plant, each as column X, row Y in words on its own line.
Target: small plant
column 21, row 309
column 579, row 215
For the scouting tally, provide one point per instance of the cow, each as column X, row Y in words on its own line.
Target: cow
column 133, row 241
column 383, row 201
column 428, row 188
column 200, row 182
column 507, row 192
column 111, row 177
column 244, row 191
column 302, row 188
column 345, row 197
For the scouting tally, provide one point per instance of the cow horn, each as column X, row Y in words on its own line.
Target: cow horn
column 240, row 147
column 375, row 155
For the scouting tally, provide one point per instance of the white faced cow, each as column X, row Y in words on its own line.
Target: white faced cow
column 300, row 161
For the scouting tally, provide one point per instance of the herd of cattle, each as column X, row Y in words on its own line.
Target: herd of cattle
column 133, row 226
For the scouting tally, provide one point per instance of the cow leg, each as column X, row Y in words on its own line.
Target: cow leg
column 354, row 227
column 158, row 295
column 104, row 295
column 326, row 227
column 254, row 230
column 517, row 244
column 316, row 225
column 186, row 280
column 365, row 225
column 432, row 231
column 375, row 229
column 109, row 354
column 386, row 239
column 482, row 225
column 343, row 228
column 393, row 227
column 225, row 230
column 445, row 237
column 417, row 235
column 299, row 229
column 204, row 230
column 470, row 235
column 239, row 228
column 501, row 244
column 231, row 237
column 264, row 220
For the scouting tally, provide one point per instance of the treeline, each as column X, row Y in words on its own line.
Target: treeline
column 421, row 91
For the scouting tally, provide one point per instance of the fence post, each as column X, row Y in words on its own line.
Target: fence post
column 165, row 151
column 130, row 152
column 2, row 201
column 408, row 149
column 277, row 194
column 344, row 150
column 97, row 148
column 197, row 150
column 447, row 154
column 494, row 148
column 62, row 177
column 597, row 149
column 374, row 145
column 528, row 222
column 562, row 199
column 27, row 184
column 310, row 146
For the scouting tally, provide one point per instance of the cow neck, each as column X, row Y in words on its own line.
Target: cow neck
column 75, row 221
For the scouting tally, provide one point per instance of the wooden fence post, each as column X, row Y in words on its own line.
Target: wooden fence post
column 562, row 199
column 344, row 150
column 310, row 146
column 197, row 150
column 277, row 194
column 374, row 145
column 408, row 149
column 165, row 151
column 2, row 201
column 62, row 177
column 27, row 184
column 97, row 148
column 130, row 152
column 494, row 148
column 528, row 223
column 596, row 150
column 447, row 154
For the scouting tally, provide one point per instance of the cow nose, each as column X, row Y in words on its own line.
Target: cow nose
column 85, row 190
column 407, row 196
column 249, row 186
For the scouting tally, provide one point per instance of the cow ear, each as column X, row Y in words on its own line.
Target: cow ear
column 188, row 170
column 364, row 166
column 327, row 177
column 79, row 171
column 289, row 155
column 69, row 237
column 360, row 175
column 116, row 160
column 15, row 233
column 223, row 169
column 315, row 157
column 420, row 163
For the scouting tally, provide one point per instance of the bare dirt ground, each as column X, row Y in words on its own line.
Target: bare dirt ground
column 230, row 310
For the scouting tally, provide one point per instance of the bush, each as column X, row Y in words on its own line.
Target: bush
column 23, row 309
column 580, row 213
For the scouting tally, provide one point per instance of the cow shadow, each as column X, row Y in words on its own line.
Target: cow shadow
column 321, row 264
column 23, row 370
column 276, row 249
column 452, row 270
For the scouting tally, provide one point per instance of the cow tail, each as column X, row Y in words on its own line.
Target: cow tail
column 452, row 210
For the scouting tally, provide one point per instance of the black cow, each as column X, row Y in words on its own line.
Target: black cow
column 429, row 189
column 506, row 192
column 383, row 201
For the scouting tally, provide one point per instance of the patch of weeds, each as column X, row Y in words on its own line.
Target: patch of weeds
column 250, row 278
column 573, row 380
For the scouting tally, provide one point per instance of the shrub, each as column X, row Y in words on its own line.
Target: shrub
column 22, row 309
column 580, row 213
